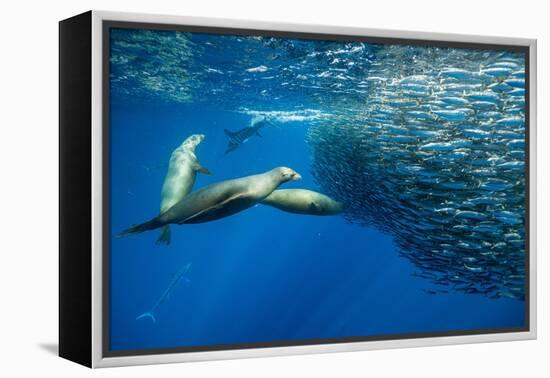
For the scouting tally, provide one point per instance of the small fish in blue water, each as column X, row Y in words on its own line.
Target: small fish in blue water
column 505, row 64
column 476, row 133
column 519, row 165
column 498, row 71
column 495, row 185
column 516, row 143
column 257, row 69
column 519, row 74
column 500, row 87
column 451, row 115
column 457, row 73
column 511, row 121
column 508, row 217
column 483, row 96
column 443, row 146
column 470, row 215
column 483, row 105
column 474, row 269
column 516, row 83
column 517, row 93
column 455, row 100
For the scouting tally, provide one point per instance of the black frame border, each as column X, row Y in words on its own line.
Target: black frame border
column 75, row 189
column 107, row 25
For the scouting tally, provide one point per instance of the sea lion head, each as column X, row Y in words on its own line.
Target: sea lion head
column 287, row 174
column 193, row 141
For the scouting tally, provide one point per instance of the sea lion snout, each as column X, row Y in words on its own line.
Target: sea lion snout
column 288, row 174
column 194, row 140
column 296, row 176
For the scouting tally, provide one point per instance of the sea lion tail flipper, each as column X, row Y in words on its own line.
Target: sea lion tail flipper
column 313, row 207
column 165, row 235
column 137, row 229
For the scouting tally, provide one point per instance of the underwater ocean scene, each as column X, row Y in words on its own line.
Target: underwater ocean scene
column 277, row 191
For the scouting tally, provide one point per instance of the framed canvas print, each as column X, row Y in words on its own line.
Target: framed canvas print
column 237, row 189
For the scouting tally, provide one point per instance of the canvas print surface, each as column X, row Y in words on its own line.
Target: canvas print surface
column 278, row 191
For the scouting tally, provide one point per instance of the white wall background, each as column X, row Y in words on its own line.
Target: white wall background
column 28, row 189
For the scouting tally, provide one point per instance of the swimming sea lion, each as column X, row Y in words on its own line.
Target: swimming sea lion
column 219, row 200
column 303, row 201
column 180, row 178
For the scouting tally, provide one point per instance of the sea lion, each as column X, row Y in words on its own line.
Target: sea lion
column 303, row 201
column 180, row 178
column 219, row 200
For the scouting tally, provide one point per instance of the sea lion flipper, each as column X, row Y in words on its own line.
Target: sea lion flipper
column 165, row 235
column 199, row 168
column 190, row 218
column 205, row 212
column 313, row 207
column 139, row 228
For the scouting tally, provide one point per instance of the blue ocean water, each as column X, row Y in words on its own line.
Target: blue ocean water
column 262, row 275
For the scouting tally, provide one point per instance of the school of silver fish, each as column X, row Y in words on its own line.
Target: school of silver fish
column 437, row 160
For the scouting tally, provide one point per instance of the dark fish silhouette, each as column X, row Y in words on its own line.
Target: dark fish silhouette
column 236, row 138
